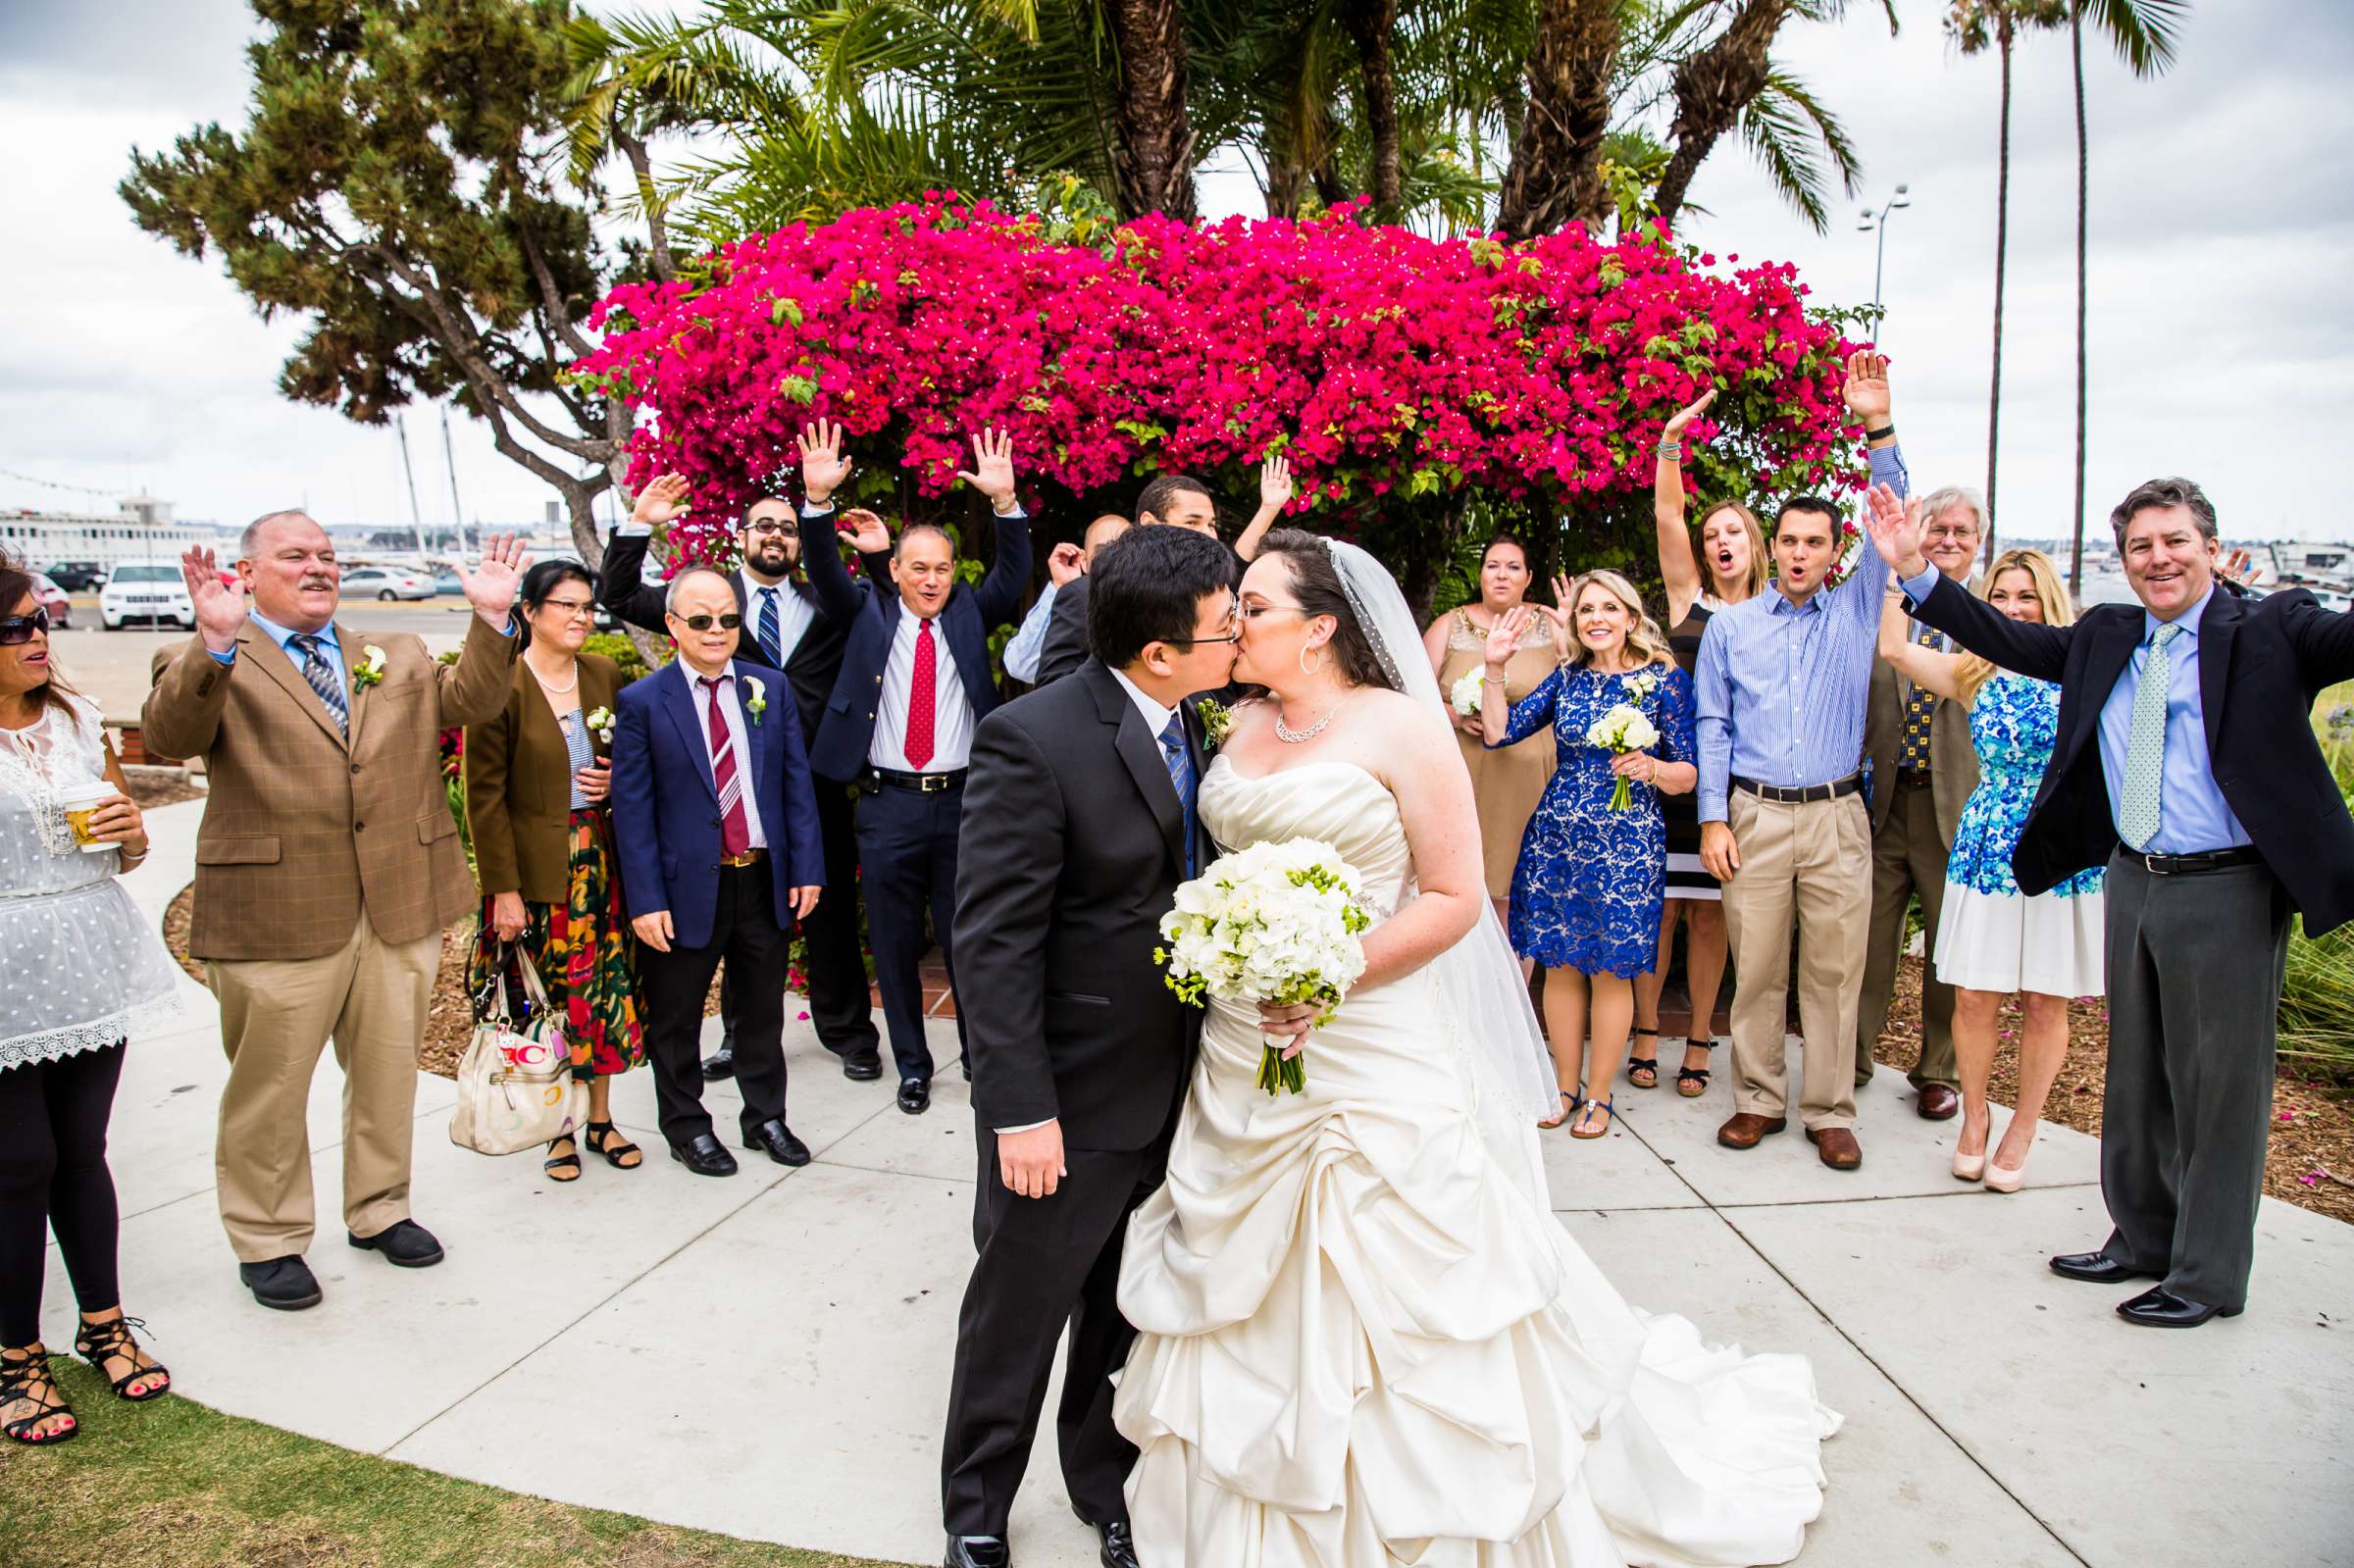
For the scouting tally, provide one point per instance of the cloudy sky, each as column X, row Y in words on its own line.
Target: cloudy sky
column 2222, row 216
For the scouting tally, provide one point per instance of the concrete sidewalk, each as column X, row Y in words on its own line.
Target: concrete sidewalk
column 768, row 1356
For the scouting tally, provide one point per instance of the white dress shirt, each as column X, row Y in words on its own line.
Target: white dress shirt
column 952, row 712
column 795, row 616
column 732, row 710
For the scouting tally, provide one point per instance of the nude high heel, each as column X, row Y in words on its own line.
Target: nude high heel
column 2006, row 1177
column 1968, row 1167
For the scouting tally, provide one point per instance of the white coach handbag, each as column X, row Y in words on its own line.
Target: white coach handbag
column 515, row 1084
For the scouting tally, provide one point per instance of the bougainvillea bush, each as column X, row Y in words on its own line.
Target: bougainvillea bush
column 1406, row 376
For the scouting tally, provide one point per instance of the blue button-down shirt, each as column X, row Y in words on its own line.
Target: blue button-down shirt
column 1782, row 687
column 329, row 649
column 1029, row 644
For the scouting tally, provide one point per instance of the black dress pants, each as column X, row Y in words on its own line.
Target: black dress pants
column 53, row 1173
column 908, row 858
column 838, row 1004
column 744, row 935
column 1042, row 1261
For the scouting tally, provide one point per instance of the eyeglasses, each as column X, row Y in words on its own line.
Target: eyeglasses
column 18, row 628
column 576, row 609
column 1204, row 642
column 767, row 530
column 703, row 623
column 1251, row 612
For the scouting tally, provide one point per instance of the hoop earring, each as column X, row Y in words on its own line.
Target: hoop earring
column 1310, row 669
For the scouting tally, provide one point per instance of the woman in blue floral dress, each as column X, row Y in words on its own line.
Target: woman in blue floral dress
column 1993, row 939
column 1587, row 891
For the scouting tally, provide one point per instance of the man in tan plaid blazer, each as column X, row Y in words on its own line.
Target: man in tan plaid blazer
column 325, row 868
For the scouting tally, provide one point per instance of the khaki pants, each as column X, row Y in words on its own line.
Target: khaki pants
column 372, row 997
column 1908, row 856
column 1808, row 863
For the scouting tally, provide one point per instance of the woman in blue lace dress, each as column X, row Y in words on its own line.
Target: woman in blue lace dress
column 1995, row 940
column 1587, row 889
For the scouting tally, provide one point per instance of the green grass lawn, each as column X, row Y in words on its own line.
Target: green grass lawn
column 175, row 1485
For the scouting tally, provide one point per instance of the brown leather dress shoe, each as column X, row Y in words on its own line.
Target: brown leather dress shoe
column 1838, row 1148
column 1937, row 1103
column 1747, row 1129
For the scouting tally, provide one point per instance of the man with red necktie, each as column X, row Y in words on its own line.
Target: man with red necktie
column 916, row 680
column 718, row 839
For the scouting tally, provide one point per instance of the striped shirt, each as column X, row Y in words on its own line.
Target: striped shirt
column 1782, row 687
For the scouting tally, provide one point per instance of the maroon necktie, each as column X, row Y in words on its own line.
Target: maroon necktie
column 734, row 828
column 922, row 696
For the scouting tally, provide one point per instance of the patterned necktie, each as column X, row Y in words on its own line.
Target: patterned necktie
column 922, row 699
column 322, row 676
column 1915, row 753
column 2145, row 743
column 1181, row 778
column 734, row 828
column 772, row 640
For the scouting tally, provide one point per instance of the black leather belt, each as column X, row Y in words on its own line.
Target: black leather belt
column 923, row 783
column 1915, row 777
column 1829, row 791
column 2204, row 860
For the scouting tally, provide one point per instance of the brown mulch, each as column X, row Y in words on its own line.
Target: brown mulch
column 2311, row 1160
column 151, row 788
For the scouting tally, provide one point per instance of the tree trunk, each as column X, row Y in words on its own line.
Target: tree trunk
column 2001, row 238
column 1370, row 24
column 1287, row 187
column 1154, row 166
column 2075, row 44
column 1556, row 171
column 1711, row 88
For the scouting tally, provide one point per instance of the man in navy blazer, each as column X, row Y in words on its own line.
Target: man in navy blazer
column 916, row 681
column 715, row 825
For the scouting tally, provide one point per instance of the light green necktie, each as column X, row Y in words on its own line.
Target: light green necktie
column 2145, row 743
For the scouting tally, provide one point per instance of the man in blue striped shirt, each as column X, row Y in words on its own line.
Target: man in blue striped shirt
column 1783, row 677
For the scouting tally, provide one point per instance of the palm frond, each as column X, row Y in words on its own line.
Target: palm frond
column 2144, row 31
column 1782, row 126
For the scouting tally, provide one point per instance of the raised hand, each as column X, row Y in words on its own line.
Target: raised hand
column 1066, row 564
column 824, row 469
column 868, row 533
column 1867, row 389
column 1275, row 490
column 1895, row 528
column 490, row 588
column 991, row 473
column 1503, row 637
column 2239, row 567
column 1682, row 418
column 1562, row 640
column 219, row 608
column 660, row 501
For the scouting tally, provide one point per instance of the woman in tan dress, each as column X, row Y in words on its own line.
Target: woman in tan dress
column 1505, row 783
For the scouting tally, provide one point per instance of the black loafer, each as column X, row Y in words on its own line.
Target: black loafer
column 404, row 1243
column 976, row 1551
column 775, row 1139
column 285, row 1285
column 916, row 1095
column 2159, row 1309
column 2098, row 1268
column 703, row 1155
column 864, row 1068
column 1117, row 1547
column 720, row 1064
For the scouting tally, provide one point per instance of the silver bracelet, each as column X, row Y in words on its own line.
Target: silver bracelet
column 1671, row 449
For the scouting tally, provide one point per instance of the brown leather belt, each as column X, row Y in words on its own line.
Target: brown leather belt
column 751, row 857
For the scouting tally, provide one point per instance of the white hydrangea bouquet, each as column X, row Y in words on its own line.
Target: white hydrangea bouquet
column 1464, row 697
column 1622, row 730
column 1275, row 923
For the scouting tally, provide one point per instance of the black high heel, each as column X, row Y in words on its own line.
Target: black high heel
column 98, row 1343
column 603, row 1138
column 20, row 1372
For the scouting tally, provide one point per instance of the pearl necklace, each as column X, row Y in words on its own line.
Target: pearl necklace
column 547, row 685
column 1285, row 732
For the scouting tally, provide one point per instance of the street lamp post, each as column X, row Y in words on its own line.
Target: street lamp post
column 1872, row 220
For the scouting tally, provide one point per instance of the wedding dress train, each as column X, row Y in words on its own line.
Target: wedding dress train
column 1364, row 1339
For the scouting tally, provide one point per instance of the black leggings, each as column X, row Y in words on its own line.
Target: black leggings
column 53, row 1118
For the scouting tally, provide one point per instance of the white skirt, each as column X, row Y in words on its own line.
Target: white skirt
column 2006, row 943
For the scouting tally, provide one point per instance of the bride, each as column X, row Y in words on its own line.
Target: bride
column 1363, row 1339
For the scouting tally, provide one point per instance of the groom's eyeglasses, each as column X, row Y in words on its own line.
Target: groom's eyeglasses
column 1234, row 633
column 21, row 628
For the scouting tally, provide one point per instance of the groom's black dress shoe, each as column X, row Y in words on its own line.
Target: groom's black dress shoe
column 2159, row 1309
column 1118, row 1546
column 916, row 1095
column 403, row 1242
column 976, row 1551
column 720, row 1064
column 2098, row 1268
column 775, row 1139
column 286, row 1283
column 702, row 1155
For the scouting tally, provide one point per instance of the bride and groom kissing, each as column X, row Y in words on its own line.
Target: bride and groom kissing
column 1332, row 1329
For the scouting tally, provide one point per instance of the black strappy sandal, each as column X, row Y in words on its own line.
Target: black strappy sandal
column 1697, row 1078
column 1645, row 1064
column 563, row 1169
column 99, row 1342
column 603, row 1138
column 21, row 1372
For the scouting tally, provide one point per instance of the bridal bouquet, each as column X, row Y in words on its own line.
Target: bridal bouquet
column 1275, row 923
column 1622, row 730
column 1464, row 697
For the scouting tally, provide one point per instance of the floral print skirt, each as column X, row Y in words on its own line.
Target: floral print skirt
column 585, row 956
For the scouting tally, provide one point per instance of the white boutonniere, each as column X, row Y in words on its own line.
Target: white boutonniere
column 759, row 703
column 372, row 667
column 600, row 724
column 1216, row 723
column 1642, row 683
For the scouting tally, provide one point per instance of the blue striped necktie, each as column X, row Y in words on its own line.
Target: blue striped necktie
column 322, row 676
column 1181, row 778
column 772, row 637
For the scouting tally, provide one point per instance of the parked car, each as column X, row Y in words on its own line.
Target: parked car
column 75, row 576
column 445, row 581
column 50, row 597
column 154, row 591
column 384, row 582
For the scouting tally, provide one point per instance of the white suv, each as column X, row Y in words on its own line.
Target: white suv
column 145, row 591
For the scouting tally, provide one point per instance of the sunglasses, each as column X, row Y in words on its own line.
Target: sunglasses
column 18, row 628
column 704, row 623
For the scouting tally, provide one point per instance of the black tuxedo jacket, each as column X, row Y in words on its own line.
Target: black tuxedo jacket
column 1072, row 848
column 867, row 614
column 2262, row 663
column 811, row 667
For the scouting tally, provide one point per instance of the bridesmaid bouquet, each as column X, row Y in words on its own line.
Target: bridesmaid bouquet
column 1463, row 697
column 1622, row 730
column 1275, row 923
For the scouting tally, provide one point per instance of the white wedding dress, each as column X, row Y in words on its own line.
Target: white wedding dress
column 1363, row 1338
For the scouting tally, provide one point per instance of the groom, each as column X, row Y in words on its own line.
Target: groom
column 1079, row 823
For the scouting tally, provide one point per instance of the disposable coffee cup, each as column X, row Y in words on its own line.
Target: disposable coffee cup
column 78, row 802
